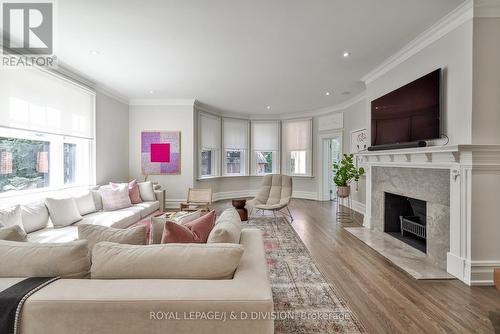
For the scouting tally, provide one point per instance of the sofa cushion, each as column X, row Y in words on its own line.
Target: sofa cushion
column 51, row 234
column 146, row 191
column 27, row 259
column 147, row 208
column 85, row 203
column 158, row 223
column 227, row 228
column 35, row 216
column 115, row 197
column 170, row 261
column 63, row 212
column 119, row 219
column 195, row 231
column 134, row 192
column 95, row 233
column 11, row 216
column 13, row 233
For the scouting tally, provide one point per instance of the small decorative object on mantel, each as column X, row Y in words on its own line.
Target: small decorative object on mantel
column 161, row 152
column 344, row 173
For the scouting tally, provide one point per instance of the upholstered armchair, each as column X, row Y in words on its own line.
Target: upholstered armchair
column 274, row 195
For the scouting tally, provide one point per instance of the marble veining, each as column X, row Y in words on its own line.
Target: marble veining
column 411, row 260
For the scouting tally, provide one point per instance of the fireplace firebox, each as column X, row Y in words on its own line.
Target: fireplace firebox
column 406, row 219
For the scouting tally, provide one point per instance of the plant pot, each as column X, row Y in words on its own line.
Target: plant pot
column 343, row 192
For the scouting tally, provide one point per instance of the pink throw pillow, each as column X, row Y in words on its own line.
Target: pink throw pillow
column 133, row 192
column 195, row 231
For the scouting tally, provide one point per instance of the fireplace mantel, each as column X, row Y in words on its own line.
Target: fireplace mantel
column 474, row 197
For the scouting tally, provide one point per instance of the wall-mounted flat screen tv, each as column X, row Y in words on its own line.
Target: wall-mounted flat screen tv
column 408, row 114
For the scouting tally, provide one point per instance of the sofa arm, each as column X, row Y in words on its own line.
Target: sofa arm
column 160, row 197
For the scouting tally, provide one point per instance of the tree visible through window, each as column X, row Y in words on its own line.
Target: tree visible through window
column 234, row 162
column 24, row 164
column 264, row 162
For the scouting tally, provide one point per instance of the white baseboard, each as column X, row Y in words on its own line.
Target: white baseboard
column 481, row 272
column 359, row 207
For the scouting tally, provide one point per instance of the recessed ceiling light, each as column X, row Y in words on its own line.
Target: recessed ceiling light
column 327, row 93
column 151, row 92
column 346, row 54
column 268, row 107
column 94, row 52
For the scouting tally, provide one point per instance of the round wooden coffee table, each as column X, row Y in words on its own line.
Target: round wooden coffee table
column 239, row 205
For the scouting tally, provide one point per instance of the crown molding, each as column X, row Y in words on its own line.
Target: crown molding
column 162, row 102
column 448, row 23
column 486, row 8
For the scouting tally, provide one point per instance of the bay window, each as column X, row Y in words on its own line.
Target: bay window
column 210, row 142
column 297, row 147
column 265, row 147
column 46, row 132
column 235, row 134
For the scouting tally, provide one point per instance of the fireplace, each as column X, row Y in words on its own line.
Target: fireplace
column 405, row 218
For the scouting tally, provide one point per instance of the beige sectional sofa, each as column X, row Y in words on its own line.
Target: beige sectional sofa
column 122, row 218
column 239, row 305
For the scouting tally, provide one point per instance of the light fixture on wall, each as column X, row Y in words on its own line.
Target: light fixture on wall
column 327, row 93
column 268, row 107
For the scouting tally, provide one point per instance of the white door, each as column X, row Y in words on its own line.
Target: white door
column 332, row 152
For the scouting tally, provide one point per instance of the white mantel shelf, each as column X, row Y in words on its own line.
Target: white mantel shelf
column 434, row 156
column 472, row 213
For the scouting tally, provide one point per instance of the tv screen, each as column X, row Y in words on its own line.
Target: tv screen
column 410, row 113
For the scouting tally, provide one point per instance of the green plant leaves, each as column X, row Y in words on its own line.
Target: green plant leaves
column 345, row 171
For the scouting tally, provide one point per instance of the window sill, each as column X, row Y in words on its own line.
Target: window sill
column 255, row 175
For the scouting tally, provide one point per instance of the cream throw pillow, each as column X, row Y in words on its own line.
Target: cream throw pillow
column 13, row 233
column 27, row 259
column 166, row 261
column 85, row 204
column 227, row 228
column 96, row 233
column 146, row 191
column 63, row 212
column 11, row 216
column 35, row 216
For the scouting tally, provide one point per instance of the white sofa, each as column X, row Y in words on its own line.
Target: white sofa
column 122, row 218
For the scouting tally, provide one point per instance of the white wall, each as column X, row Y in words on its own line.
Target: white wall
column 452, row 53
column 167, row 118
column 486, row 73
column 112, row 140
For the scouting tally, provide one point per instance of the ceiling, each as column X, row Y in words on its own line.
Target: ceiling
column 235, row 55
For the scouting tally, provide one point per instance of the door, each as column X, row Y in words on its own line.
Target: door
column 332, row 152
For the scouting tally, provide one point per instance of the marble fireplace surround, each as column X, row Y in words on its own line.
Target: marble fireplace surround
column 430, row 185
column 465, row 183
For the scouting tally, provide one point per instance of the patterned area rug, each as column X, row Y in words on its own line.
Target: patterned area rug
column 304, row 301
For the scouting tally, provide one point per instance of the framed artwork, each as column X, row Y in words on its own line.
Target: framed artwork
column 359, row 141
column 161, row 152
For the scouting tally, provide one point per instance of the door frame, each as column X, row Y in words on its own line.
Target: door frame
column 322, row 138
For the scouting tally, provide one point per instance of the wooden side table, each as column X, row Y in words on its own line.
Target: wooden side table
column 239, row 205
column 497, row 278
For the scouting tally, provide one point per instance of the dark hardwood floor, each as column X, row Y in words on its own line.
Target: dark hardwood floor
column 385, row 299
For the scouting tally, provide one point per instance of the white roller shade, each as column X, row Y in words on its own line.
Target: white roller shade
column 31, row 99
column 297, row 135
column 266, row 135
column 210, row 131
column 235, row 132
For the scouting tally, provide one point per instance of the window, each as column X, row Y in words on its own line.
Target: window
column 210, row 142
column 46, row 132
column 235, row 134
column 297, row 145
column 265, row 147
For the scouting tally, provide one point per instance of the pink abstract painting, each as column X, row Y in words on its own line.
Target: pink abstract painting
column 161, row 152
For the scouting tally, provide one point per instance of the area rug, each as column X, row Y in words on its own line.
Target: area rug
column 304, row 302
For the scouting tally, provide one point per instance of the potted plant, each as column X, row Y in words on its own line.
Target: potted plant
column 344, row 173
